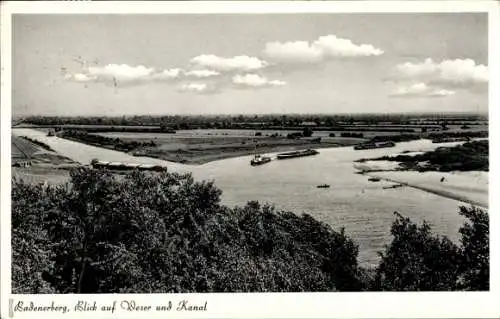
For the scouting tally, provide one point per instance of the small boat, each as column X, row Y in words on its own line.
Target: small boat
column 323, row 186
column 393, row 186
column 374, row 179
column 259, row 160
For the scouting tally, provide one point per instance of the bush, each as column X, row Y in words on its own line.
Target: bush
column 416, row 260
column 148, row 232
column 475, row 249
column 294, row 135
column 307, row 132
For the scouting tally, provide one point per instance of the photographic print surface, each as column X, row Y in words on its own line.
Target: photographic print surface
column 249, row 153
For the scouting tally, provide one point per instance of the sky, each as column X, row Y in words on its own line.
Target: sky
column 249, row 63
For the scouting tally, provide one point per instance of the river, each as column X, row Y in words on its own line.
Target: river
column 364, row 208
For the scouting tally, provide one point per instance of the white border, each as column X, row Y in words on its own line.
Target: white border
column 293, row 305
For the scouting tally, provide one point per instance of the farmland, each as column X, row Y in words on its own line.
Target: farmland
column 22, row 149
column 195, row 147
column 35, row 163
column 201, row 139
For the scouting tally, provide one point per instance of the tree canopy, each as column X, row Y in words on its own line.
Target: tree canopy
column 146, row 232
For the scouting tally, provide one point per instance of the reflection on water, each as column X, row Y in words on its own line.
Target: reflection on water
column 362, row 207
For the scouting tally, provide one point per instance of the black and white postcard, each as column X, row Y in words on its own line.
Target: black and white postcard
column 249, row 159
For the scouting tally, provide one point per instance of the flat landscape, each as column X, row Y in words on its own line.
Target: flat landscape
column 36, row 164
column 199, row 140
column 201, row 147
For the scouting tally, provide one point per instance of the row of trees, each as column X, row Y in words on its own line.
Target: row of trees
column 152, row 233
column 41, row 144
column 99, row 140
column 473, row 134
column 272, row 119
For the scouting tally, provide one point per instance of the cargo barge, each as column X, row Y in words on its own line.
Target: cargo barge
column 118, row 166
column 450, row 139
column 294, row 154
column 369, row 146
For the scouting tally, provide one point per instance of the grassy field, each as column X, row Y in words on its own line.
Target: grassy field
column 45, row 166
column 22, row 149
column 202, row 146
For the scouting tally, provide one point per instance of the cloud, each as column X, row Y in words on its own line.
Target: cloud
column 255, row 81
column 324, row 47
column 166, row 74
column 237, row 63
column 194, row 87
column 202, row 73
column 120, row 72
column 80, row 77
column 450, row 73
column 420, row 90
column 124, row 73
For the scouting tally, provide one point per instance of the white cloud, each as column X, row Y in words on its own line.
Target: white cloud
column 121, row 72
column 323, row 47
column 167, row 74
column 202, row 73
column 80, row 77
column 124, row 73
column 256, row 81
column 237, row 63
column 451, row 73
column 420, row 90
column 298, row 51
column 332, row 46
column 194, row 87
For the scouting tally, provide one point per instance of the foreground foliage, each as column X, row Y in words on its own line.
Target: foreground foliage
column 148, row 232
column 418, row 260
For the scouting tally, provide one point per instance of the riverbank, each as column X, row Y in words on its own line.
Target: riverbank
column 459, row 172
column 467, row 187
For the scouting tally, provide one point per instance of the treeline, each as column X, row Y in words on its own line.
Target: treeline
column 472, row 156
column 395, row 138
column 41, row 144
column 103, row 141
column 159, row 233
column 433, row 136
column 322, row 121
column 476, row 134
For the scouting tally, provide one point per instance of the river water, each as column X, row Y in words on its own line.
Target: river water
column 364, row 208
